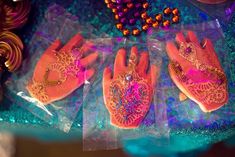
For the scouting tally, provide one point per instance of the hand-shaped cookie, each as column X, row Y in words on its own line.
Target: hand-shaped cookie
column 59, row 72
column 196, row 71
column 129, row 91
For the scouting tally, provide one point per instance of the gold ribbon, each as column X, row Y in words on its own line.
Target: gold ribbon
column 11, row 49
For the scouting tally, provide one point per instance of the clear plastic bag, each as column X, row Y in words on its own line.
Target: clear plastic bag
column 58, row 24
column 187, row 114
column 222, row 11
column 190, row 127
column 98, row 133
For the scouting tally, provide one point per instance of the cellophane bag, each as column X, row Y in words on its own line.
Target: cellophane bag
column 58, row 24
column 222, row 11
column 98, row 133
column 187, row 114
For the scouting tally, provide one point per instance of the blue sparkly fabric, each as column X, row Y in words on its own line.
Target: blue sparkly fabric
column 95, row 13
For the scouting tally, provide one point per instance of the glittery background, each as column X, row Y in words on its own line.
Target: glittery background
column 13, row 117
